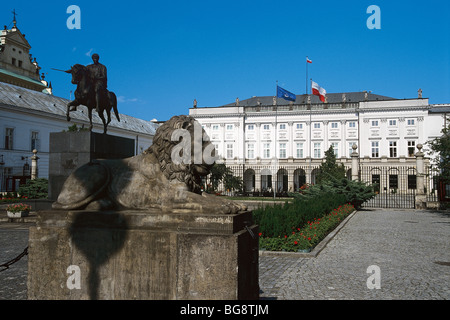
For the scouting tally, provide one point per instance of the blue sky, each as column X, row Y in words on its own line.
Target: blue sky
column 161, row 55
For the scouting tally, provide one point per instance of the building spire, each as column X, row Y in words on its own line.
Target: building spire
column 14, row 19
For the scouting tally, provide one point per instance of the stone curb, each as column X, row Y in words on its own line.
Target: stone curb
column 317, row 249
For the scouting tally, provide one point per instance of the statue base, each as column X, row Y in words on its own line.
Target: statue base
column 70, row 150
column 142, row 255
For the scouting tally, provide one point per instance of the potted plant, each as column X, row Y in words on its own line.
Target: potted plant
column 18, row 210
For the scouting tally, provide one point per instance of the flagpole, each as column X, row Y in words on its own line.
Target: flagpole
column 306, row 82
column 275, row 164
column 310, row 133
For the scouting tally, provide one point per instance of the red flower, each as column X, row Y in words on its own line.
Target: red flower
column 260, row 234
column 295, row 242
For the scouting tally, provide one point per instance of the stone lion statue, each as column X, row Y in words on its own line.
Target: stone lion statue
column 151, row 179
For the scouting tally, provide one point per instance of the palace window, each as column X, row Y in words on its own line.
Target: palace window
column 229, row 151
column 392, row 123
column 316, row 125
column 412, row 181
column 410, row 122
column 299, row 150
column 34, row 140
column 9, row 138
column 283, row 126
column 299, row 126
column 375, row 149
column 250, row 151
column 251, row 127
column 317, row 149
column 393, row 149
column 375, row 123
column 229, row 127
column 266, row 150
column 282, row 150
column 334, row 125
column 411, row 148
column 393, row 181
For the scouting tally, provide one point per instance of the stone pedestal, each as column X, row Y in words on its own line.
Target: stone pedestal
column 145, row 255
column 70, row 150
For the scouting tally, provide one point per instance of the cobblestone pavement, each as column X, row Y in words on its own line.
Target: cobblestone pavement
column 13, row 240
column 411, row 248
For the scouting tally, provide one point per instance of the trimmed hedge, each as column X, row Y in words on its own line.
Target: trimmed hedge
column 278, row 220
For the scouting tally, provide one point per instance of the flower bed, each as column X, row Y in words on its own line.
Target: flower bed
column 11, row 198
column 307, row 236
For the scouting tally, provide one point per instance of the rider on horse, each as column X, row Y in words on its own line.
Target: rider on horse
column 98, row 75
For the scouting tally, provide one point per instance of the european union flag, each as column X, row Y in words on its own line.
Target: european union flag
column 282, row 93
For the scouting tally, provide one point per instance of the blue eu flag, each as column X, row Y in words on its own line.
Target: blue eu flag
column 282, row 93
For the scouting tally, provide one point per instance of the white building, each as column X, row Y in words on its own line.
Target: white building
column 265, row 139
column 29, row 113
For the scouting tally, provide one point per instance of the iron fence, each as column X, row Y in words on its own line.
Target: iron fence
column 395, row 186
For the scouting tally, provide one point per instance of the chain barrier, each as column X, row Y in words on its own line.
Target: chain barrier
column 6, row 265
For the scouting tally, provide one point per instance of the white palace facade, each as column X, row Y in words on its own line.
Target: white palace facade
column 267, row 139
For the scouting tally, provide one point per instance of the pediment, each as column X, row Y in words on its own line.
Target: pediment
column 18, row 39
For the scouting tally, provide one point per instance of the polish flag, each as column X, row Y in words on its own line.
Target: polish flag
column 318, row 91
column 307, row 60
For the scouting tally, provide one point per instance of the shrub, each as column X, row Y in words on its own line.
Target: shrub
column 278, row 220
column 35, row 189
column 355, row 192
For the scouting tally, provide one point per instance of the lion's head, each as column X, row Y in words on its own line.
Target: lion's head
column 171, row 142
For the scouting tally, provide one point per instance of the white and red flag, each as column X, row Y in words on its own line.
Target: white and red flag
column 318, row 91
column 308, row 60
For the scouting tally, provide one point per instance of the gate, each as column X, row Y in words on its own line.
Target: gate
column 395, row 186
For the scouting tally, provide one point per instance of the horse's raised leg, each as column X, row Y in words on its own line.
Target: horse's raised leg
column 71, row 106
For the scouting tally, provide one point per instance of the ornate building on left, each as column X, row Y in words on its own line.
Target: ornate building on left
column 29, row 112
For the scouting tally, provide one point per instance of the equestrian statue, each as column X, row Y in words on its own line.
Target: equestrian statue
column 92, row 91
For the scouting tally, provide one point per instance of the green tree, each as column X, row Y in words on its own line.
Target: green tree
column 221, row 173
column 329, row 168
column 440, row 150
column 35, row 189
column 218, row 172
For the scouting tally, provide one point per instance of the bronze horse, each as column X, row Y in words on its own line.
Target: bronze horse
column 85, row 95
